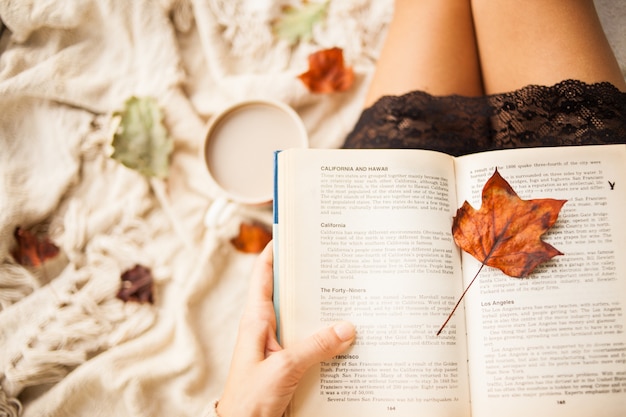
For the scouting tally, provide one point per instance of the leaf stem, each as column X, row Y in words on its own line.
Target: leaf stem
column 460, row 299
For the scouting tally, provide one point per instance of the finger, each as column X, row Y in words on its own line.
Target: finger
column 262, row 298
column 261, row 283
column 258, row 323
column 321, row 346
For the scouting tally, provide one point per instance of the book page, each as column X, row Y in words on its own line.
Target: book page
column 365, row 236
column 553, row 344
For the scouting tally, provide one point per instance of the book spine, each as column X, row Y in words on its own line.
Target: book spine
column 275, row 246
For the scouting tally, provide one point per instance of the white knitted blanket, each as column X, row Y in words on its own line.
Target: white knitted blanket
column 68, row 345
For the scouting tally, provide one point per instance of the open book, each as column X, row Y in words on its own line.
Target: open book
column 365, row 235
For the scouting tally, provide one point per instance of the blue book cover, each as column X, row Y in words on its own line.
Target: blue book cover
column 275, row 243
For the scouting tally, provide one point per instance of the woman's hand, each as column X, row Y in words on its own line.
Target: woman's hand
column 263, row 376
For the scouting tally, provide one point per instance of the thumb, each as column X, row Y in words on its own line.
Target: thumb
column 322, row 345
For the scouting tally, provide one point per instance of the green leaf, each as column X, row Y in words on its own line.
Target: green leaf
column 297, row 23
column 141, row 141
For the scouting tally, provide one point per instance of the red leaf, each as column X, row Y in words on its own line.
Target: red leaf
column 252, row 237
column 136, row 285
column 32, row 250
column 327, row 72
column 506, row 232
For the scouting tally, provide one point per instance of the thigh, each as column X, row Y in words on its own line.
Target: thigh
column 541, row 42
column 430, row 46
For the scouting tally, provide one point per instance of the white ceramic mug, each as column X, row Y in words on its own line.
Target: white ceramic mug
column 239, row 148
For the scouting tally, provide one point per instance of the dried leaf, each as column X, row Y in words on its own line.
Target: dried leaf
column 297, row 24
column 506, row 231
column 136, row 285
column 141, row 141
column 31, row 249
column 252, row 237
column 327, row 72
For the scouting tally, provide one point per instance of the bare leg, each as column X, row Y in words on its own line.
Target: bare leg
column 430, row 46
column 541, row 42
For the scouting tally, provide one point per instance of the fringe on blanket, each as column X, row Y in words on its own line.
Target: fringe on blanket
column 9, row 407
column 79, row 318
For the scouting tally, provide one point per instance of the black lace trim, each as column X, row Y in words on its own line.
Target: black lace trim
column 569, row 113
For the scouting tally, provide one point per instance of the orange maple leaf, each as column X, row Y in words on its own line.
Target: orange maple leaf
column 252, row 237
column 31, row 249
column 327, row 72
column 505, row 233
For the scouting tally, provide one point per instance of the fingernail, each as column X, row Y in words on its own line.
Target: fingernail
column 344, row 330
